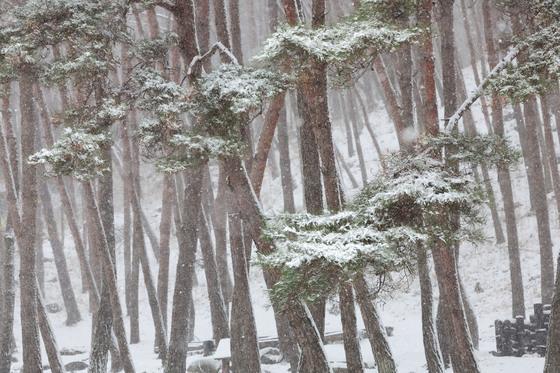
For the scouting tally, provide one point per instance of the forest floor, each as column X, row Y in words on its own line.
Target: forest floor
column 485, row 264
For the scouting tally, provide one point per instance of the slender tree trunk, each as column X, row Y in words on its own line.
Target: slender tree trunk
column 28, row 277
column 356, row 131
column 110, row 280
column 285, row 163
column 504, row 179
column 431, row 345
column 351, row 339
column 313, row 355
column 140, row 247
column 164, row 237
column 461, row 348
column 47, row 334
column 244, row 343
column 376, row 333
column 218, row 313
column 72, row 311
column 9, row 296
column 182, row 297
column 550, row 150
column 219, row 220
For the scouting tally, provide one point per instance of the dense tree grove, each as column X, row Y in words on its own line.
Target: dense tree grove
column 391, row 129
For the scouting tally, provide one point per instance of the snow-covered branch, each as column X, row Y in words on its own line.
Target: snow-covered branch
column 200, row 59
column 474, row 96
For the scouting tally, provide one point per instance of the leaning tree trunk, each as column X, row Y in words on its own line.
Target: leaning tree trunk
column 314, row 359
column 140, row 247
column 375, row 331
column 350, row 331
column 47, row 334
column 218, row 312
column 66, row 289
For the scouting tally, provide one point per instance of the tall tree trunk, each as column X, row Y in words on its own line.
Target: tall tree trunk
column 375, row 331
column 245, row 350
column 285, row 163
column 47, row 334
column 9, row 296
column 110, row 280
column 66, row 289
column 356, row 132
column 28, row 277
column 550, row 150
column 164, row 238
column 461, row 348
column 140, row 247
column 429, row 334
column 218, row 313
column 235, row 30
column 504, row 179
column 182, row 296
column 302, row 325
column 219, row 219
column 351, row 340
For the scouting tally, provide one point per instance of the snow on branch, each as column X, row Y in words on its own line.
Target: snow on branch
column 474, row 96
column 197, row 61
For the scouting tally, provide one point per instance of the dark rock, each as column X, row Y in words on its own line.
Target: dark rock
column 389, row 330
column 71, row 351
column 76, row 366
column 53, row 308
column 270, row 355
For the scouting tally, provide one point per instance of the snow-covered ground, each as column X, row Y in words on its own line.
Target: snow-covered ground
column 485, row 264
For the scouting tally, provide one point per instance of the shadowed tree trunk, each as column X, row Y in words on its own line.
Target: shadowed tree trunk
column 164, row 238
column 285, row 163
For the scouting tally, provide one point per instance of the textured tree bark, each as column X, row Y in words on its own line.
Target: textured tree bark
column 550, row 150
column 285, row 163
column 552, row 361
column 164, row 238
column 429, row 334
column 39, row 249
column 460, row 348
column 140, row 247
column 374, row 327
column 370, row 130
column 244, row 344
column 47, row 334
column 504, row 179
column 110, row 280
column 68, row 207
column 265, row 141
column 182, row 296
column 219, row 219
column 235, row 30
column 103, row 321
column 356, row 132
column 66, row 289
column 218, row 314
column 304, row 329
column 351, row 340
column 9, row 296
column 28, row 277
